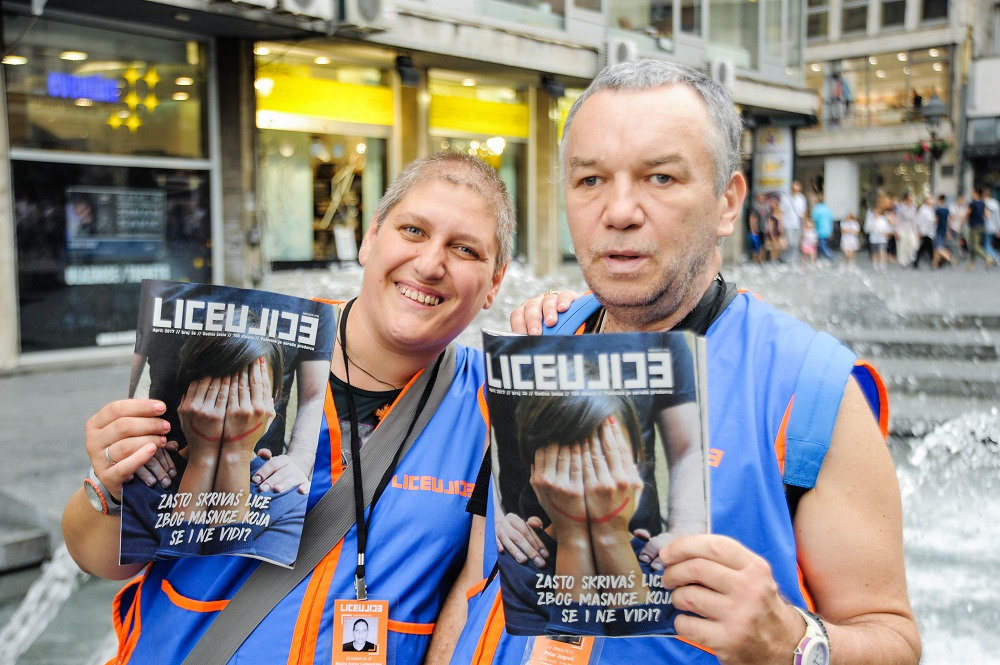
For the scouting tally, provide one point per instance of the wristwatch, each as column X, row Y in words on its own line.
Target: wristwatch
column 814, row 647
column 100, row 498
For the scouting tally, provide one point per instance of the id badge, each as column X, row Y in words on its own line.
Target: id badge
column 560, row 650
column 361, row 632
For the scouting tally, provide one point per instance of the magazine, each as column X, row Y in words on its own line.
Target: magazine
column 600, row 456
column 230, row 364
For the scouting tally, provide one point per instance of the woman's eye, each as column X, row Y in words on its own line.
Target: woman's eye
column 589, row 181
column 468, row 251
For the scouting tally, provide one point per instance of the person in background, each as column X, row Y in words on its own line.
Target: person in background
column 975, row 222
column 942, row 214
column 958, row 211
column 991, row 233
column 810, row 241
column 850, row 233
column 794, row 209
column 905, row 229
column 926, row 226
column 822, row 218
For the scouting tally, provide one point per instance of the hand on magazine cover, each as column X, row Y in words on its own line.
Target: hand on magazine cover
column 611, row 479
column 160, row 468
column 281, row 472
column 544, row 309
column 202, row 413
column 123, row 436
column 557, row 478
column 249, row 410
column 736, row 609
column 517, row 537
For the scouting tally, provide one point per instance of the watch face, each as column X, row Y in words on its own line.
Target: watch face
column 817, row 653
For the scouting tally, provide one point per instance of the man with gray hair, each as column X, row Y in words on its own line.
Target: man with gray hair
column 804, row 559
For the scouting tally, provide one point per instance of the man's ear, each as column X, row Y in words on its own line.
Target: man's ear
column 367, row 242
column 731, row 203
column 491, row 295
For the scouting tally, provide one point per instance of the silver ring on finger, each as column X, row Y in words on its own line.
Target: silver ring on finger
column 107, row 456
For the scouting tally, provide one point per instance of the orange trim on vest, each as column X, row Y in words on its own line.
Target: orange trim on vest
column 410, row 628
column 810, row 603
column 883, row 396
column 475, row 589
column 694, row 644
column 484, row 410
column 492, row 632
column 307, row 627
column 191, row 604
column 779, row 442
column 127, row 639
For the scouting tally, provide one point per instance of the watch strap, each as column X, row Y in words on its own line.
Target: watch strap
column 110, row 505
column 815, row 633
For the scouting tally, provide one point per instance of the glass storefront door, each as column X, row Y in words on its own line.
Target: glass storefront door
column 111, row 175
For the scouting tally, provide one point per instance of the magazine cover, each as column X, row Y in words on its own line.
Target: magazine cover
column 600, row 457
column 243, row 374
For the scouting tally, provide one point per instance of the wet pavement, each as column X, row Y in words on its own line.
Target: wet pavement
column 45, row 409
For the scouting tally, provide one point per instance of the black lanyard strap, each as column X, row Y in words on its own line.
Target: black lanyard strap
column 363, row 525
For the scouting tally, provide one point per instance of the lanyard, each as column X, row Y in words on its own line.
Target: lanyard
column 359, row 499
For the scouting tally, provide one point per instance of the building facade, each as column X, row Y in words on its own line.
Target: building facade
column 214, row 141
column 890, row 76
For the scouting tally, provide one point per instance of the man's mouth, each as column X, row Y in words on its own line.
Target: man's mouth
column 417, row 296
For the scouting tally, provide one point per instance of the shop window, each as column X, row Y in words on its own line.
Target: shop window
column 854, row 17
column 934, row 10
column 317, row 194
column 817, row 19
column 88, row 235
column 691, row 17
column 733, row 33
column 650, row 17
column 84, row 89
column 893, row 13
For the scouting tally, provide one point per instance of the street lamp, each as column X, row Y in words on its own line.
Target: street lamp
column 933, row 111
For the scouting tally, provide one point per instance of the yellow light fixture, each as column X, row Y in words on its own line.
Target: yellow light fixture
column 264, row 86
column 469, row 82
column 73, row 56
column 321, row 60
column 180, row 96
column 183, row 80
column 83, row 101
column 261, row 50
column 15, row 60
column 133, row 123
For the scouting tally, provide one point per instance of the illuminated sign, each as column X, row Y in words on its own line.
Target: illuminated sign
column 69, row 86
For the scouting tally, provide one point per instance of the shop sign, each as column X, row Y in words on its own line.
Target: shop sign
column 474, row 116
column 70, row 86
column 326, row 99
column 772, row 159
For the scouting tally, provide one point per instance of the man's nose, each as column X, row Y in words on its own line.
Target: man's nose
column 623, row 207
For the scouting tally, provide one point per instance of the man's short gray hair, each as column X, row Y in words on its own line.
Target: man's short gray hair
column 460, row 169
column 725, row 127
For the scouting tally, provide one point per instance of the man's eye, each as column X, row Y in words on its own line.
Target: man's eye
column 661, row 179
column 412, row 230
column 589, row 181
column 467, row 251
